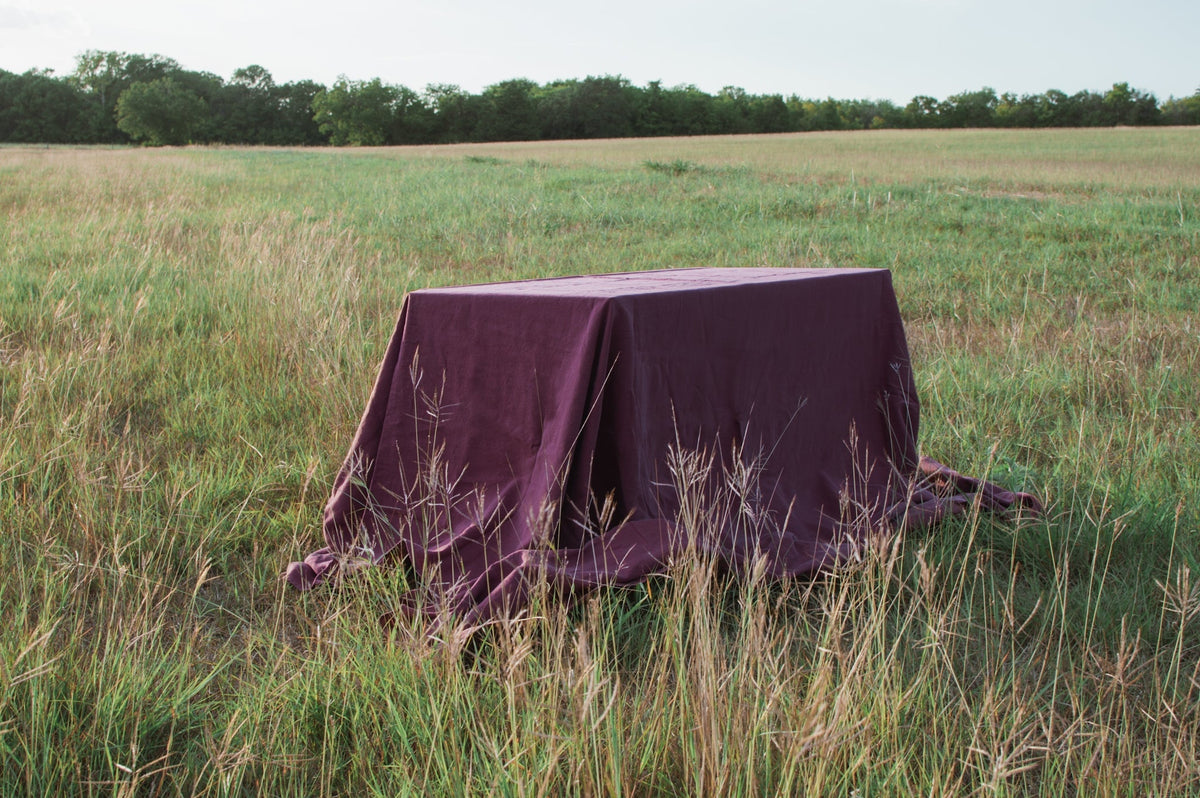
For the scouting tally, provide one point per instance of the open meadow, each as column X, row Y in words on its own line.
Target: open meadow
column 188, row 338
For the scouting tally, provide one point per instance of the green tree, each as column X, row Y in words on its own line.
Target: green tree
column 509, row 112
column 1014, row 111
column 1184, row 111
column 556, row 110
column 160, row 112
column 355, row 113
column 922, row 111
column 412, row 119
column 604, row 107
column 250, row 108
column 1118, row 103
column 692, row 111
column 210, row 88
column 454, row 112
column 768, row 114
column 829, row 116
column 731, row 111
column 294, row 116
column 969, row 109
column 799, row 113
column 870, row 114
column 1087, row 109
column 1126, row 106
column 1059, row 110
column 102, row 75
column 652, row 117
column 37, row 108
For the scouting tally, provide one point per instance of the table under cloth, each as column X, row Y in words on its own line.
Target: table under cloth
column 567, row 429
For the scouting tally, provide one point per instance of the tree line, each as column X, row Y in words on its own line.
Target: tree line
column 114, row 97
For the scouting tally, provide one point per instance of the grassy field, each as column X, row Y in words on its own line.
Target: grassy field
column 188, row 338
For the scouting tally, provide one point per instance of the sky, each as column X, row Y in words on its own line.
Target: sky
column 847, row 49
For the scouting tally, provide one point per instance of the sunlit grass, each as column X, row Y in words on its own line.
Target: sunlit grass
column 187, row 339
column 1125, row 158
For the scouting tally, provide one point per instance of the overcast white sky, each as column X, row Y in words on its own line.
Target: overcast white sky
column 848, row 49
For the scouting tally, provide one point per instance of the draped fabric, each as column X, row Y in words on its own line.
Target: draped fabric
column 586, row 430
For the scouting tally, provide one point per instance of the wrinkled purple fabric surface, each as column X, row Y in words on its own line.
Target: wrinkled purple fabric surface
column 507, row 416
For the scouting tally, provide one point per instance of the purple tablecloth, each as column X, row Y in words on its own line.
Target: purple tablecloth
column 506, row 416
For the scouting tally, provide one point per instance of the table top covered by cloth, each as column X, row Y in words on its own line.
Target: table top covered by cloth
column 586, row 430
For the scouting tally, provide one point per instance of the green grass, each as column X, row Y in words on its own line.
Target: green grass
column 188, row 338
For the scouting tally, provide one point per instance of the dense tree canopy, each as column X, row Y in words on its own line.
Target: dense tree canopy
column 115, row 97
column 37, row 108
column 355, row 112
column 160, row 112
